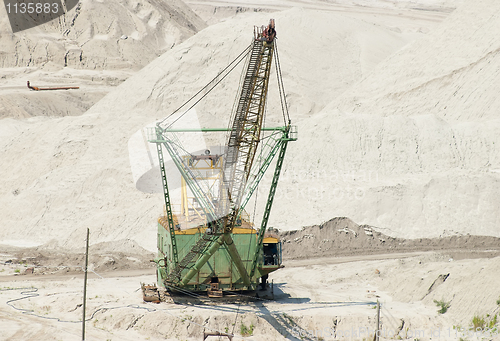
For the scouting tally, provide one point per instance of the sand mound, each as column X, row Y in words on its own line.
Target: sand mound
column 345, row 48
column 343, row 237
column 451, row 73
column 51, row 259
column 101, row 34
column 117, row 36
column 398, row 157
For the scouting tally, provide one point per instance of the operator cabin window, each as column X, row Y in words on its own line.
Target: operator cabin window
column 270, row 254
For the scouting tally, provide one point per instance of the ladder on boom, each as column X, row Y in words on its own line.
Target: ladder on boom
column 246, row 128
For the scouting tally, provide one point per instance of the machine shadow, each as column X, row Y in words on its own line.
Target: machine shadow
column 285, row 324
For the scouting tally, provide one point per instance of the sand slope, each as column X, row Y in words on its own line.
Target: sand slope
column 451, row 73
column 413, row 147
column 101, row 34
column 95, row 46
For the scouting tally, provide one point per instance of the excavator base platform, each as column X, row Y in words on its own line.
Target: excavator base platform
column 151, row 293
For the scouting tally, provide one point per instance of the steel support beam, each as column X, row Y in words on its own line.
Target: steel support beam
column 168, row 207
column 235, row 256
column 269, row 204
column 202, row 260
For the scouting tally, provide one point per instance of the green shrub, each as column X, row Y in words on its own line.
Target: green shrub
column 443, row 305
column 493, row 322
column 478, row 322
column 246, row 331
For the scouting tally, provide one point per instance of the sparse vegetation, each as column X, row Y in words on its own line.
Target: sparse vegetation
column 480, row 323
column 187, row 317
column 289, row 318
column 17, row 271
column 246, row 331
column 498, row 301
column 443, row 305
column 493, row 322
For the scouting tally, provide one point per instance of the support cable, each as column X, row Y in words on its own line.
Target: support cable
column 209, row 85
column 237, row 97
column 281, row 87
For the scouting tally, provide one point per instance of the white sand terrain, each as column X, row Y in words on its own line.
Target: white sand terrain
column 98, row 34
column 396, row 107
column 96, row 46
column 413, row 146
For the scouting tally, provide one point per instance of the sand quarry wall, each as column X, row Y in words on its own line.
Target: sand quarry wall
column 412, row 147
column 418, row 174
column 101, row 35
column 96, row 45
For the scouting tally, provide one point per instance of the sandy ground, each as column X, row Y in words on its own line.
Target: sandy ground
column 313, row 299
column 424, row 14
column 18, row 102
column 322, row 293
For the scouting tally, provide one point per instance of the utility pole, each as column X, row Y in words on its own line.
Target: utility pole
column 85, row 284
column 377, row 331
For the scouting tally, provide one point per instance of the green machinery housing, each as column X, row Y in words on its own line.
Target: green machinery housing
column 211, row 244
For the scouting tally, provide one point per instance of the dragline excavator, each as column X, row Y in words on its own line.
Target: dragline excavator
column 211, row 244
